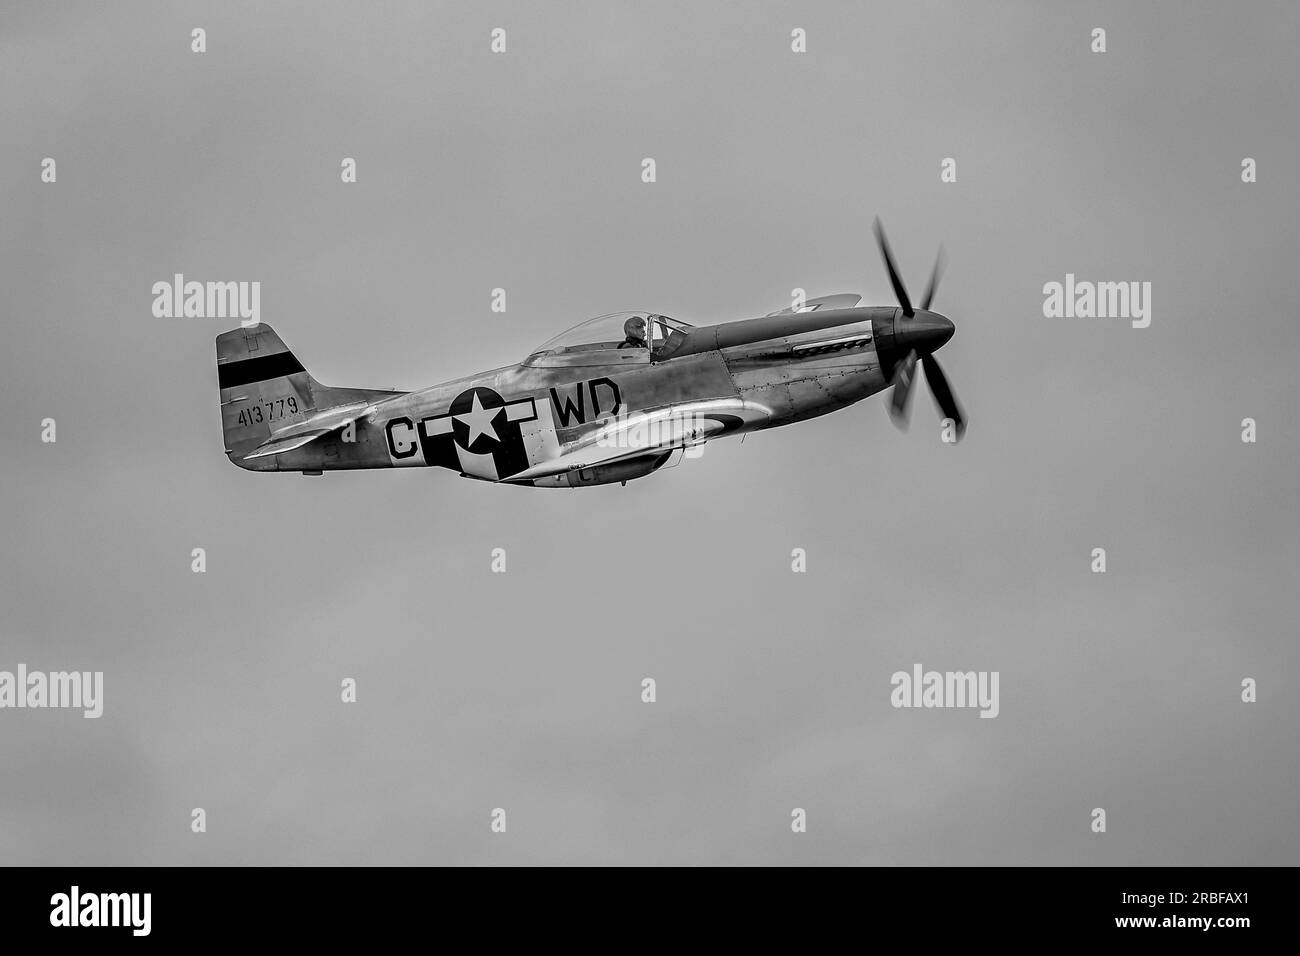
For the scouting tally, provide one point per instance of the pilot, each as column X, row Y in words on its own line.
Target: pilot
column 634, row 329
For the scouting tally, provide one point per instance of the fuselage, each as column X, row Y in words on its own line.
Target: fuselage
column 509, row 423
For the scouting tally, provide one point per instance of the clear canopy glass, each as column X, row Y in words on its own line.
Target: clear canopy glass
column 636, row 334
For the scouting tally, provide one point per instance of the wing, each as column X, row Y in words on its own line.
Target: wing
column 636, row 436
column 845, row 300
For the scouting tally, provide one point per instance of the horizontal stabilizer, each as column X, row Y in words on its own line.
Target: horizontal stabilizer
column 304, row 432
column 278, row 446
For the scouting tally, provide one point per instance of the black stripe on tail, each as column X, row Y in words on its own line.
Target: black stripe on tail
column 246, row 371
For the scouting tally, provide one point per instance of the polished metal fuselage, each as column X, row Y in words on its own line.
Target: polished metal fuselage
column 748, row 375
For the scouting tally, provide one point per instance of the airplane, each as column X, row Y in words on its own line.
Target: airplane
column 615, row 398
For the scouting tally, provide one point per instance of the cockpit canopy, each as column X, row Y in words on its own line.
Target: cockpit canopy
column 620, row 338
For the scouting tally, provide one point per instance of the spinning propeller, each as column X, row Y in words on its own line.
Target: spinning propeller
column 918, row 334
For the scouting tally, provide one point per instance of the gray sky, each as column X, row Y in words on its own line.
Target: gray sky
column 480, row 690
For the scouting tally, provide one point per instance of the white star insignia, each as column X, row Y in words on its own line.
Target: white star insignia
column 480, row 421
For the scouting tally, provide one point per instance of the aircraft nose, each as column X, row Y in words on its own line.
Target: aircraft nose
column 925, row 332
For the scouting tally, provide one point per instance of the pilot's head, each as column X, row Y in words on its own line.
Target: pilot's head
column 634, row 328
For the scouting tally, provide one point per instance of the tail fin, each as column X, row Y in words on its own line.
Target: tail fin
column 265, row 389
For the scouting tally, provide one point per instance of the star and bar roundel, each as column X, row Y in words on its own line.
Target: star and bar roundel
column 481, row 435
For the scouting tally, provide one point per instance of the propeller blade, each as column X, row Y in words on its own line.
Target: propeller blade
column 904, row 375
column 899, row 291
column 942, row 393
column 933, row 287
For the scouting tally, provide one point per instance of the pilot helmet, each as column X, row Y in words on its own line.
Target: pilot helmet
column 634, row 327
